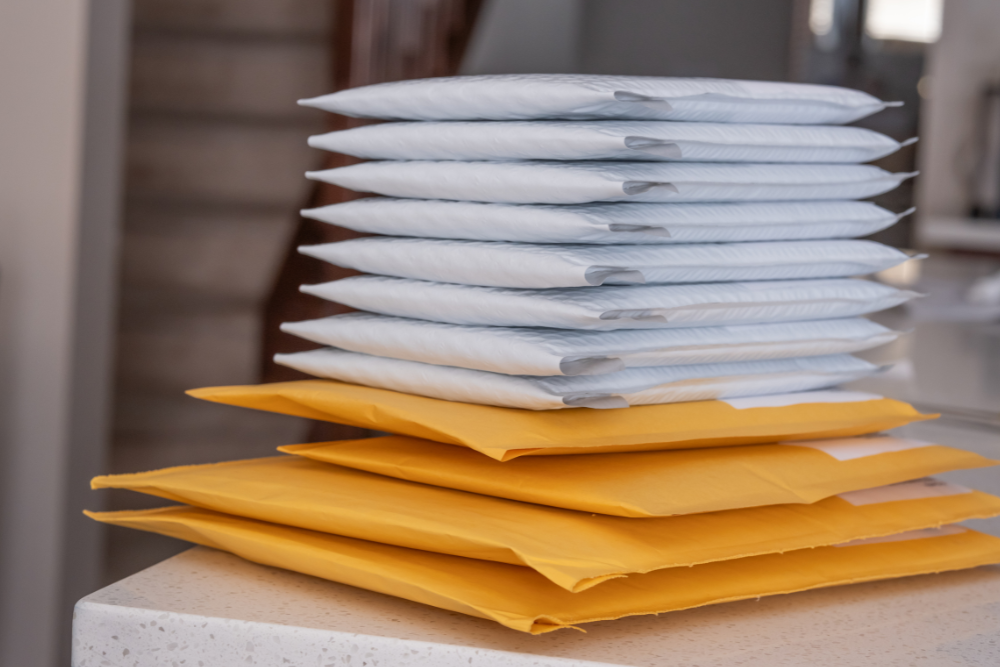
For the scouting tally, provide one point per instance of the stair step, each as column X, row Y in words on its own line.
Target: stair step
column 213, row 161
column 281, row 17
column 155, row 419
column 172, row 351
column 227, row 255
column 242, row 78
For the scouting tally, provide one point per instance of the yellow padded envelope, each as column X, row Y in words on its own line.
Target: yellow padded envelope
column 520, row 598
column 575, row 550
column 664, row 483
column 506, row 433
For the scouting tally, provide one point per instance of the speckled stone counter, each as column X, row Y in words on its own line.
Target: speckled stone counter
column 205, row 608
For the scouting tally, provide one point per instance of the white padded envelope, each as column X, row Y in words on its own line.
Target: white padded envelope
column 634, row 386
column 498, row 264
column 533, row 351
column 609, row 140
column 592, row 96
column 611, row 223
column 612, row 307
column 537, row 182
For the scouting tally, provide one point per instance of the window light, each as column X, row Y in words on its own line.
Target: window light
column 904, row 20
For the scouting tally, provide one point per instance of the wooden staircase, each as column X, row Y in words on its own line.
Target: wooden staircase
column 216, row 153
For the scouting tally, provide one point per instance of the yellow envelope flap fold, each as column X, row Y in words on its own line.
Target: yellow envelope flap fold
column 575, row 550
column 633, row 483
column 521, row 599
column 506, row 433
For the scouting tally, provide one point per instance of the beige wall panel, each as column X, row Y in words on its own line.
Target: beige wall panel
column 966, row 59
column 62, row 75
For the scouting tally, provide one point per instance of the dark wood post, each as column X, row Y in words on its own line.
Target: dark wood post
column 372, row 41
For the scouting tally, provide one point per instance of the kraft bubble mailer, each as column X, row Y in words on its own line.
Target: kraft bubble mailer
column 521, row 599
column 662, row 483
column 507, row 433
column 575, row 550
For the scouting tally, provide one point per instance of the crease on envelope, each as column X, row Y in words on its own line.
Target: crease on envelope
column 575, row 550
column 521, row 599
column 632, row 484
column 507, row 433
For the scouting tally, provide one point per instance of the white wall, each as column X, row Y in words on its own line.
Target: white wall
column 965, row 59
column 747, row 39
column 736, row 39
column 60, row 141
column 525, row 36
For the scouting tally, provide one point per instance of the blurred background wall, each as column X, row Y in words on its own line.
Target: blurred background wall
column 62, row 70
column 213, row 179
column 960, row 131
column 152, row 163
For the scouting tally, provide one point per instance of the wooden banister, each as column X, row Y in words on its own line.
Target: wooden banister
column 372, row 41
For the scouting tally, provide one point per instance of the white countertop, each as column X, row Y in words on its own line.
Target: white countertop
column 205, row 608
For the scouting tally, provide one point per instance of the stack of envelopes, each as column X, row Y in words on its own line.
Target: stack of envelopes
column 540, row 520
column 581, row 241
column 593, row 242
